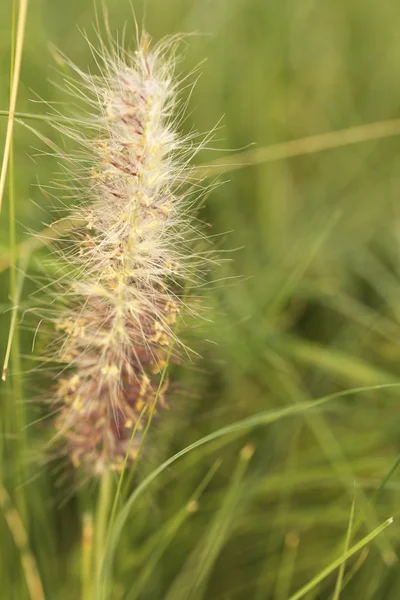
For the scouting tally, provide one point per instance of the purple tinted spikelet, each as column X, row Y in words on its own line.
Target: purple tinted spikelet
column 130, row 254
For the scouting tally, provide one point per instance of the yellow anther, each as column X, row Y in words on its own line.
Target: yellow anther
column 166, row 208
column 144, row 385
column 66, row 325
column 63, row 387
column 158, row 366
column 170, row 319
column 143, row 199
column 110, row 371
column 77, row 404
column 164, row 340
column 171, row 306
column 139, row 405
column 73, row 382
column 68, row 399
column 76, row 461
column 91, row 222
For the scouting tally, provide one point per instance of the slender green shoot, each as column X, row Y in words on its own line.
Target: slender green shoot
column 103, row 510
column 23, row 9
column 339, row 580
column 166, row 535
column 20, row 537
column 87, row 557
column 336, row 563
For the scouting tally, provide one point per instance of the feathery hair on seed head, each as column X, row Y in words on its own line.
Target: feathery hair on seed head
column 131, row 254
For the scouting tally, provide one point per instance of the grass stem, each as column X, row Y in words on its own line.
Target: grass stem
column 103, row 511
column 87, row 555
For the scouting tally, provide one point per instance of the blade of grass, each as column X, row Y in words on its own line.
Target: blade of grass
column 291, row 282
column 287, row 569
column 339, row 580
column 332, row 449
column 192, row 579
column 237, row 428
column 330, row 360
column 307, row 145
column 23, row 9
column 357, row 526
column 20, row 116
column 16, row 407
column 385, row 479
column 336, row 563
column 292, row 540
column 16, row 296
column 18, row 532
column 166, row 535
column 355, row 568
column 14, row 387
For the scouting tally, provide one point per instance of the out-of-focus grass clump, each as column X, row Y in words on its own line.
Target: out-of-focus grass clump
column 308, row 306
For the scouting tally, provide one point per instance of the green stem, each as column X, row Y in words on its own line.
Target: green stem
column 87, row 551
column 103, row 511
column 14, row 342
column 16, row 383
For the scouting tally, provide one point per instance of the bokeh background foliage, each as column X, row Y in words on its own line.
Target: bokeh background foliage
column 307, row 306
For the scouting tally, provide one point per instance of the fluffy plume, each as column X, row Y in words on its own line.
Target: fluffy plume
column 131, row 256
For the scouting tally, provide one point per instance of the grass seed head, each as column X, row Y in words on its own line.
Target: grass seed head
column 131, row 255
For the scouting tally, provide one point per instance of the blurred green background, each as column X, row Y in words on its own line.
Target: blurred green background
column 307, row 306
